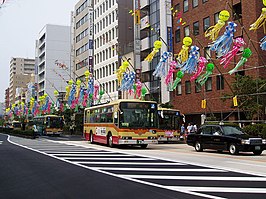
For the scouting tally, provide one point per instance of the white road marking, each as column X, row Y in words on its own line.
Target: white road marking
column 109, row 158
column 81, row 152
column 215, row 178
column 130, row 163
column 90, row 155
column 232, row 162
column 220, row 189
column 157, row 169
column 1, row 142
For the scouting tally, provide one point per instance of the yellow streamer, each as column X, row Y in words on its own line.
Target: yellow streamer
column 157, row 45
column 261, row 21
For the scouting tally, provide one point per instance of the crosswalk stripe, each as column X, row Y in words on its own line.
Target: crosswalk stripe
column 86, row 155
column 157, row 169
column 214, row 178
column 109, row 158
column 130, row 163
column 219, row 189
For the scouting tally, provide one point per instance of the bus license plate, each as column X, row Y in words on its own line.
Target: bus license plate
column 257, row 147
column 140, row 141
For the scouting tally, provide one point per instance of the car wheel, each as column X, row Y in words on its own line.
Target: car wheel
column 233, row 150
column 110, row 140
column 198, row 147
column 143, row 146
column 257, row 152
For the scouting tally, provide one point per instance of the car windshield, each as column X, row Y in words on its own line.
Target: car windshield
column 168, row 119
column 232, row 130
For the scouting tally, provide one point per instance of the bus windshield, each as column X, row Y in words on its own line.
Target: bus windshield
column 169, row 119
column 55, row 122
column 138, row 115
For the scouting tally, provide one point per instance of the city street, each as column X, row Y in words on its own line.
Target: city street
column 58, row 168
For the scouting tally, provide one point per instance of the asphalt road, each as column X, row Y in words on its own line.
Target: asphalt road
column 28, row 174
column 61, row 168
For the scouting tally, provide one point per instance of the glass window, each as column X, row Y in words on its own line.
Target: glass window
column 177, row 7
column 179, row 89
column 195, row 3
column 206, row 23
column 208, row 84
column 188, row 87
column 204, row 1
column 186, row 31
column 177, row 35
column 196, row 28
column 216, row 130
column 197, row 87
column 207, row 130
column 237, row 9
column 207, row 53
column 220, row 82
column 185, row 5
column 216, row 17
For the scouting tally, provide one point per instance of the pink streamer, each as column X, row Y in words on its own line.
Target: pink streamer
column 239, row 42
column 138, row 89
column 202, row 63
column 84, row 103
column 96, row 92
column 172, row 70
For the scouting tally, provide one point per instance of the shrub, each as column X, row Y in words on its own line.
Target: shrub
column 256, row 129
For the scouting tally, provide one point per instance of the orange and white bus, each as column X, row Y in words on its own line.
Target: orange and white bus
column 122, row 122
column 169, row 124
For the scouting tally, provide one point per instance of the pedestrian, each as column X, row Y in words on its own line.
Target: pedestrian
column 193, row 128
column 71, row 128
column 189, row 126
column 182, row 132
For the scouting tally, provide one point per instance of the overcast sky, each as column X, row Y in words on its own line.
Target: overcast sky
column 20, row 23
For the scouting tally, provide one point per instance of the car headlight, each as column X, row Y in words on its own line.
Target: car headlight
column 264, row 141
column 245, row 142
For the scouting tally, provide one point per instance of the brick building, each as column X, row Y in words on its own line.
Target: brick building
column 199, row 15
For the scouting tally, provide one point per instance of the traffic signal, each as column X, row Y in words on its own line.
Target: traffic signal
column 235, row 101
column 203, row 103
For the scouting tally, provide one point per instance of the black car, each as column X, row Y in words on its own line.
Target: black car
column 225, row 137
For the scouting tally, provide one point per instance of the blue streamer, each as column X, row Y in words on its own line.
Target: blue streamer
column 160, row 68
column 71, row 95
column 223, row 44
column 190, row 65
column 263, row 43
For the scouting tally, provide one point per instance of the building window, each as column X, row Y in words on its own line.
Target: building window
column 197, row 87
column 207, row 53
column 196, row 28
column 237, row 10
column 177, row 7
column 179, row 89
column 220, row 82
column 186, row 31
column 216, row 17
column 204, row 1
column 206, row 23
column 185, row 5
column 208, row 84
column 177, row 35
column 242, row 73
column 195, row 3
column 188, row 87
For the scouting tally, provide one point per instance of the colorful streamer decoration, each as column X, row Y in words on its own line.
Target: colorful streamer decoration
column 213, row 31
column 204, row 77
column 183, row 54
column 121, row 70
column 223, row 44
column 160, row 68
column 261, row 21
column 180, row 74
column 172, row 70
column 157, row 45
column 190, row 65
column 202, row 63
column 239, row 42
column 246, row 54
column 263, row 43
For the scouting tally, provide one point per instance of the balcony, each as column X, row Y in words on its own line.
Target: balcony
column 145, row 22
column 145, row 44
column 145, row 66
column 144, row 3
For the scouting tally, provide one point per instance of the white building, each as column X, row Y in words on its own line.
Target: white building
column 53, row 53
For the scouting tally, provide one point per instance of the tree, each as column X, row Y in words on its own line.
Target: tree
column 250, row 96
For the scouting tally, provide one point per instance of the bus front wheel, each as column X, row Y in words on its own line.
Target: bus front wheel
column 110, row 140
